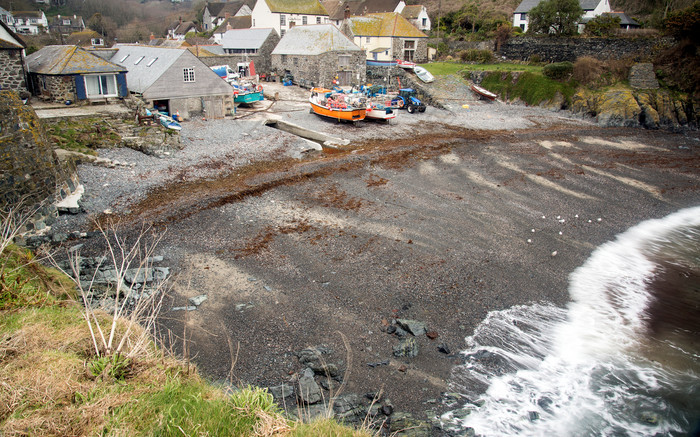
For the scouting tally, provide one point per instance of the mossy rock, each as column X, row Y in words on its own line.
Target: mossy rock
column 619, row 108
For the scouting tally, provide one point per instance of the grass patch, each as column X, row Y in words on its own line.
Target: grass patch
column 83, row 135
column 447, row 68
column 532, row 88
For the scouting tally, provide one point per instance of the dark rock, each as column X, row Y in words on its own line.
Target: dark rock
column 443, row 348
column 380, row 363
column 391, row 329
column 309, row 391
column 387, row 410
column 281, row 391
column 407, row 347
column 533, row 415
column 413, row 326
column 405, row 425
column 313, row 359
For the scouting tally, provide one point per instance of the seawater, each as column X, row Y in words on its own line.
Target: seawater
column 622, row 359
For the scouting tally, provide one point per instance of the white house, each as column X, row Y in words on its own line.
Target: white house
column 30, row 22
column 216, row 12
column 591, row 9
column 418, row 16
column 6, row 17
column 282, row 15
column 180, row 29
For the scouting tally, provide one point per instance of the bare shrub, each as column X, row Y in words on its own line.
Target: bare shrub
column 587, row 70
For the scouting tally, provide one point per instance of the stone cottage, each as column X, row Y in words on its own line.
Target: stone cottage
column 71, row 73
column 387, row 37
column 319, row 54
column 13, row 74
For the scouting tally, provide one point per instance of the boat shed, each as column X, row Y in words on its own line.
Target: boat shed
column 174, row 80
column 71, row 74
column 251, row 45
column 319, row 55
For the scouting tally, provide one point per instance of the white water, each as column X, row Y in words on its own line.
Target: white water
column 592, row 368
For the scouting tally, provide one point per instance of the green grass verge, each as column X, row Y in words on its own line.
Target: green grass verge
column 532, row 88
column 83, row 135
column 447, row 68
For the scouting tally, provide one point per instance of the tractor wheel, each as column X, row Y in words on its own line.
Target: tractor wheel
column 421, row 109
column 410, row 108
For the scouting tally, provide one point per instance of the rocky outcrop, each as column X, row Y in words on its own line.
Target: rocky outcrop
column 652, row 109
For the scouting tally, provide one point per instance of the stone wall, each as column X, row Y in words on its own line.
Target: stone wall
column 12, row 75
column 31, row 176
column 642, row 76
column 320, row 70
column 551, row 49
column 54, row 88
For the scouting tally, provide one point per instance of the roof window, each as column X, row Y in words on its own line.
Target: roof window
column 151, row 61
column 124, row 58
column 139, row 60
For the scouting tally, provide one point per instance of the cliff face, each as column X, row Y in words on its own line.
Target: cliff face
column 652, row 109
column 31, row 175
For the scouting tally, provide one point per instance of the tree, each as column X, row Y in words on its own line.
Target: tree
column 559, row 17
column 105, row 26
column 603, row 25
column 684, row 24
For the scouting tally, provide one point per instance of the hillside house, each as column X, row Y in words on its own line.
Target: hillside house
column 418, row 16
column 626, row 23
column 65, row 25
column 591, row 9
column 85, row 38
column 337, row 9
column 386, row 37
column 283, row 15
column 6, row 17
column 174, row 80
column 13, row 75
column 232, row 23
column 317, row 55
column 71, row 73
column 216, row 12
column 30, row 22
column 179, row 29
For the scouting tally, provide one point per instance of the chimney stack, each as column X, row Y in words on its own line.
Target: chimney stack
column 152, row 36
column 346, row 15
column 227, row 15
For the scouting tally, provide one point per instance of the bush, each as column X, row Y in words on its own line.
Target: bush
column 603, row 25
column 587, row 70
column 558, row 70
column 478, row 56
column 535, row 59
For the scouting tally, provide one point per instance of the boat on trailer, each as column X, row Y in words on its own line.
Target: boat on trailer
column 380, row 110
column 340, row 106
column 483, row 93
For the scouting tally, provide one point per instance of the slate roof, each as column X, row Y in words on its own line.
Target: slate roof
column 390, row 24
column 219, row 9
column 526, row 5
column 140, row 75
column 307, row 7
column 82, row 38
column 625, row 19
column 16, row 43
column 336, row 8
column 411, row 12
column 68, row 60
column 314, row 39
column 240, row 22
column 181, row 28
column 245, row 38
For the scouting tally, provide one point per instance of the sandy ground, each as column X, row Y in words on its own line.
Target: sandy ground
column 441, row 218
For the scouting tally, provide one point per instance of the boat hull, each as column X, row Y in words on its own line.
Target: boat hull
column 339, row 114
column 248, row 97
column 380, row 114
column 483, row 93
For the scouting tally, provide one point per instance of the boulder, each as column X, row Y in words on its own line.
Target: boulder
column 619, row 108
column 407, row 347
column 413, row 326
column 309, row 392
column 405, row 425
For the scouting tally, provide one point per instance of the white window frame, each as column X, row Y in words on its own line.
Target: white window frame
column 101, row 95
column 318, row 20
column 283, row 20
column 188, row 74
column 304, row 20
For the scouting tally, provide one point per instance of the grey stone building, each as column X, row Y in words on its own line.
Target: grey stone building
column 251, row 45
column 13, row 74
column 318, row 55
column 174, row 80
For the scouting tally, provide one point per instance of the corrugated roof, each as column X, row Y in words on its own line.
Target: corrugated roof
column 526, row 5
column 140, row 75
column 308, row 7
column 389, row 24
column 245, row 38
column 66, row 60
column 313, row 40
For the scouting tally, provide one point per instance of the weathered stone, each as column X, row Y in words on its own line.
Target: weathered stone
column 405, row 425
column 312, row 358
column 348, row 407
column 443, row 348
column 413, row 326
column 186, row 308
column 198, row 300
column 642, row 76
column 280, row 392
column 619, row 108
column 309, row 392
column 407, row 347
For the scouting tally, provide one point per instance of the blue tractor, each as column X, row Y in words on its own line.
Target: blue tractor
column 407, row 100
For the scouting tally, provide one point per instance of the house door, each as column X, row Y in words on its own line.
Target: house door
column 214, row 107
column 344, row 78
